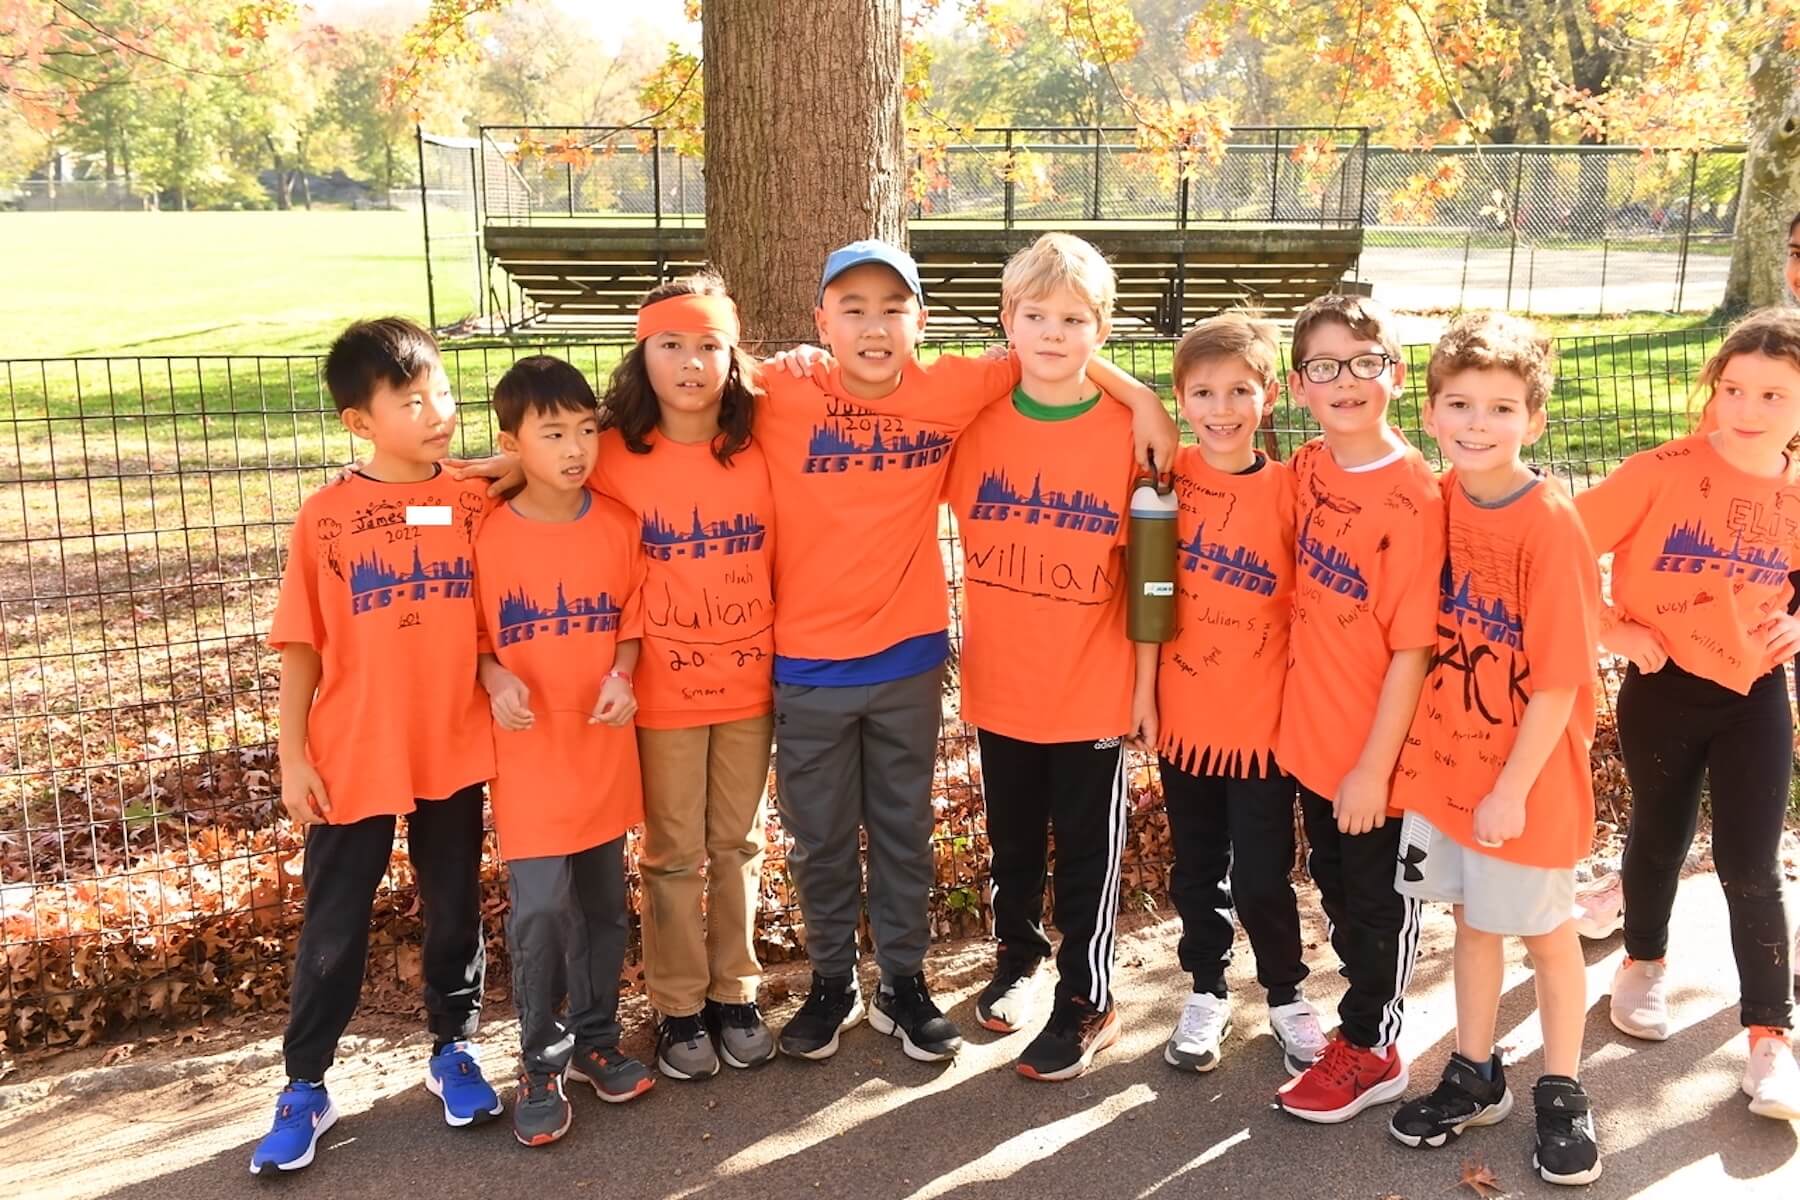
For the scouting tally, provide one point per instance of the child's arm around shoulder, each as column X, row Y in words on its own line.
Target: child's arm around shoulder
column 1154, row 437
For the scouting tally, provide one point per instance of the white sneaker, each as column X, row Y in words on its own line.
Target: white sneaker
column 1640, row 1000
column 1794, row 955
column 1205, row 1022
column 1600, row 907
column 1298, row 1033
column 1772, row 1080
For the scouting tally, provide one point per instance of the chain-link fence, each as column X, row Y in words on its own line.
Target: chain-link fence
column 1550, row 229
column 144, row 502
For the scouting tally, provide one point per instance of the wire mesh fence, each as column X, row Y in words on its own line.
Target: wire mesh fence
column 144, row 502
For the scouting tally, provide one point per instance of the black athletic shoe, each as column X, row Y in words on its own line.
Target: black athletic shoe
column 1566, row 1151
column 1005, row 1002
column 908, row 1013
column 1075, row 1033
column 833, row 1005
column 1462, row 1099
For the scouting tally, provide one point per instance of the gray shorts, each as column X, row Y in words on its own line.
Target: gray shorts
column 1496, row 896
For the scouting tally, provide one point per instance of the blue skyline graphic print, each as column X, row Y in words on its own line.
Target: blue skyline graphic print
column 998, row 499
column 1497, row 623
column 852, row 440
column 377, row 584
column 740, row 534
column 524, row 618
column 1327, row 565
column 1234, row 566
column 1690, row 550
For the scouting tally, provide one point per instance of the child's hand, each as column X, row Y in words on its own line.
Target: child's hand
column 1635, row 642
column 1361, row 801
column 303, row 792
column 1143, row 725
column 997, row 352
column 1782, row 632
column 801, row 360
column 617, row 704
column 1154, row 438
column 503, row 469
column 509, row 698
column 1500, row 817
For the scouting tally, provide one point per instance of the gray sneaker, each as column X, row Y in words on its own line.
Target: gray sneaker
column 540, row 1110
column 738, row 1031
column 1640, row 1000
column 683, row 1050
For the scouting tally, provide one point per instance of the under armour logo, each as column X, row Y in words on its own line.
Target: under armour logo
column 1409, row 864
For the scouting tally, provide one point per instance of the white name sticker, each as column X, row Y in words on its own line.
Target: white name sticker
column 1159, row 589
column 428, row 514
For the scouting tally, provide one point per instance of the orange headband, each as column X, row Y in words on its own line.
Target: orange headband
column 689, row 314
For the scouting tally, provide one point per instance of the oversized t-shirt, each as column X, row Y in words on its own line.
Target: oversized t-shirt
column 709, row 615
column 1518, row 613
column 557, row 597
column 1218, row 688
column 856, row 485
column 1701, row 553
column 379, row 580
column 1041, row 506
column 1368, row 549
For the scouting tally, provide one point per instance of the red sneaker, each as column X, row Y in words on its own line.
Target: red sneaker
column 1346, row 1079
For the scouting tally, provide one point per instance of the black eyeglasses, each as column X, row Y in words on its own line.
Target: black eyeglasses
column 1324, row 369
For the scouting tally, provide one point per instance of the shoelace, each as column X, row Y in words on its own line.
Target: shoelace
column 1302, row 1029
column 739, row 1016
column 537, row 1089
column 1196, row 1020
column 681, row 1029
column 1338, row 1064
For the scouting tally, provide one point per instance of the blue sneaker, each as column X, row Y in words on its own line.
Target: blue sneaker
column 302, row 1116
column 455, row 1078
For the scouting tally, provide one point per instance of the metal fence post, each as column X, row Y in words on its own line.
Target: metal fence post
column 1605, row 244
column 1182, row 195
column 656, row 171
column 1006, row 185
column 1274, row 173
column 484, row 270
column 425, row 219
column 569, row 185
column 1512, row 221
column 1687, row 230
column 1094, row 202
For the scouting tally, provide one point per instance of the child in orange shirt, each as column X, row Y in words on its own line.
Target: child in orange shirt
column 676, row 449
column 1039, row 488
column 1494, row 779
column 381, row 717
column 857, row 454
column 559, row 576
column 1704, row 531
column 1230, row 806
column 1369, row 546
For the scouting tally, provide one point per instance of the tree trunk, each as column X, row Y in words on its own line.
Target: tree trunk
column 804, row 147
column 1771, row 185
column 284, row 183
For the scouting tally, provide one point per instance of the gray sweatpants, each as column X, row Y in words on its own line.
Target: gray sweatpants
column 566, row 930
column 850, row 757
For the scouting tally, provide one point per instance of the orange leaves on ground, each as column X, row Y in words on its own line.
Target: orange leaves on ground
column 1479, row 1179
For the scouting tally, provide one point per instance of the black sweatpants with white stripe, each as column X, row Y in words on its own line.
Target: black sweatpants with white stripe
column 1076, row 791
column 1374, row 929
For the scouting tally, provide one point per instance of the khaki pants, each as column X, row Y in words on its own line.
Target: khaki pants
column 703, row 793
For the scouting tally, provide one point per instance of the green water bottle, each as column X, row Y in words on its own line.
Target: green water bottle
column 1150, row 562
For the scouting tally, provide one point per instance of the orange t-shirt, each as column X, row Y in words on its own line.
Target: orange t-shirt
column 379, row 581
column 557, row 597
column 709, row 613
column 1368, row 549
column 1218, row 688
column 1701, row 553
column 856, row 486
column 1041, row 509
column 1518, row 613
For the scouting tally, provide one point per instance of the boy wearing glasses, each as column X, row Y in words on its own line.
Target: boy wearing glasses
column 1369, row 547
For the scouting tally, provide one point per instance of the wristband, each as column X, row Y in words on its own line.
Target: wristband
column 615, row 673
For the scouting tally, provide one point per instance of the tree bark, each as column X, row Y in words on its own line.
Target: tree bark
column 804, row 146
column 1771, row 185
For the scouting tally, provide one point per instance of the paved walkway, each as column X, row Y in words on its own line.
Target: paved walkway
column 180, row 1122
column 1543, row 280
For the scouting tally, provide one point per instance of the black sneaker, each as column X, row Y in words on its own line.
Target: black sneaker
column 1075, row 1033
column 1566, row 1151
column 1462, row 1099
column 540, row 1110
column 907, row 1013
column 833, row 1005
column 1005, row 1003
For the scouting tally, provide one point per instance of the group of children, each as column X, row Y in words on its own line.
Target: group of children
column 718, row 552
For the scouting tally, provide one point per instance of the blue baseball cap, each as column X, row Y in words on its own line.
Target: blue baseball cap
column 871, row 250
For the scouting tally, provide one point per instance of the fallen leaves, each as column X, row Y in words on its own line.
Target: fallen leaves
column 1479, row 1179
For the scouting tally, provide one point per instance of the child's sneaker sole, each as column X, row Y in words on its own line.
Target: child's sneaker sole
column 326, row 1120
column 1197, row 1062
column 1381, row 1093
column 1773, row 1109
column 994, row 1023
column 1575, row 1180
column 1493, row 1114
column 730, row 1059
column 437, row 1089
column 676, row 1073
column 880, row 1022
column 829, row 1048
column 1109, row 1034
